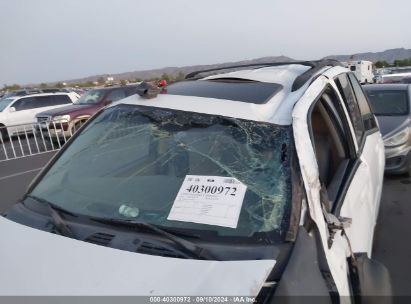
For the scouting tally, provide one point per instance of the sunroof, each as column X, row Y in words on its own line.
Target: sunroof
column 243, row 90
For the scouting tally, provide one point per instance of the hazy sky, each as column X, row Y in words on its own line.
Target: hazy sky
column 51, row 40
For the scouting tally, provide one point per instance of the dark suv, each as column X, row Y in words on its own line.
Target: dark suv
column 63, row 122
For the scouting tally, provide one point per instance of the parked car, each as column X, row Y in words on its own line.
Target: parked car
column 262, row 182
column 17, row 113
column 31, row 91
column 393, row 77
column 63, row 122
column 391, row 104
column 406, row 80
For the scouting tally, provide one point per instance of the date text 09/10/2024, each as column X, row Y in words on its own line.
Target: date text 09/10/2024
column 202, row 299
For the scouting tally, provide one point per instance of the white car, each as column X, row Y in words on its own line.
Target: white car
column 18, row 113
column 262, row 182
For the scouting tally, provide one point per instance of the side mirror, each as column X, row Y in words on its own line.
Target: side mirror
column 12, row 109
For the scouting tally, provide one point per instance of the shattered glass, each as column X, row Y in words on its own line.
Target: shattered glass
column 138, row 157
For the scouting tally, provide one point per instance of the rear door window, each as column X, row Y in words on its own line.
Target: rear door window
column 27, row 103
column 347, row 93
column 365, row 109
column 331, row 142
column 59, row 100
column 43, row 101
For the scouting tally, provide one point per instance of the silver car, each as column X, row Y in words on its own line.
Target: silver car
column 391, row 105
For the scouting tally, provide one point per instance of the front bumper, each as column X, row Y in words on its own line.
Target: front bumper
column 398, row 159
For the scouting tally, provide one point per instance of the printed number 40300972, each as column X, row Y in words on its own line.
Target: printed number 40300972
column 212, row 189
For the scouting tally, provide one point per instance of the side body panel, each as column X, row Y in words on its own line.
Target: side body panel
column 362, row 200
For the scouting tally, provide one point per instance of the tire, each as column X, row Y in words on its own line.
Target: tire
column 3, row 133
column 408, row 173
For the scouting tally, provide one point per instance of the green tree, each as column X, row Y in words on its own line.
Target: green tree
column 86, row 84
column 43, row 85
column 12, row 87
column 402, row 63
column 59, row 85
column 381, row 64
column 123, row 82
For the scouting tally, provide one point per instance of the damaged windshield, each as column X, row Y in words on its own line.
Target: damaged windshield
column 132, row 162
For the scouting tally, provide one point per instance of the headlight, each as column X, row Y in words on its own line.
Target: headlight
column 398, row 138
column 62, row 118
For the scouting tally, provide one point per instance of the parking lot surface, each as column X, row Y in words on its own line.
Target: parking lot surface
column 26, row 145
column 391, row 244
column 16, row 175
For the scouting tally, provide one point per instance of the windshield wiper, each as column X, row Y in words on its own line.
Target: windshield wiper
column 189, row 247
column 58, row 221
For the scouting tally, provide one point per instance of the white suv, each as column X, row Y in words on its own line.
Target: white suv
column 21, row 111
column 261, row 182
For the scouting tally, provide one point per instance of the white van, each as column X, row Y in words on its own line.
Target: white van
column 21, row 110
column 362, row 70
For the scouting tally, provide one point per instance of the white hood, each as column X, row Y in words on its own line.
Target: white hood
column 33, row 262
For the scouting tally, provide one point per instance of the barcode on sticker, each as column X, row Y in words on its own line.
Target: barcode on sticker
column 230, row 181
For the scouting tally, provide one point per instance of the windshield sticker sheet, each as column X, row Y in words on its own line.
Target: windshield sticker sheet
column 210, row 200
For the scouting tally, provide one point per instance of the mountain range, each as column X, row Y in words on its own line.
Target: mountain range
column 387, row 55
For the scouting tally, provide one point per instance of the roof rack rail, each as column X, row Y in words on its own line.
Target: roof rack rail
column 318, row 65
column 315, row 66
column 251, row 65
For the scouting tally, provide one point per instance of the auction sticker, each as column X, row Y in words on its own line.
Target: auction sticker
column 211, row 200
